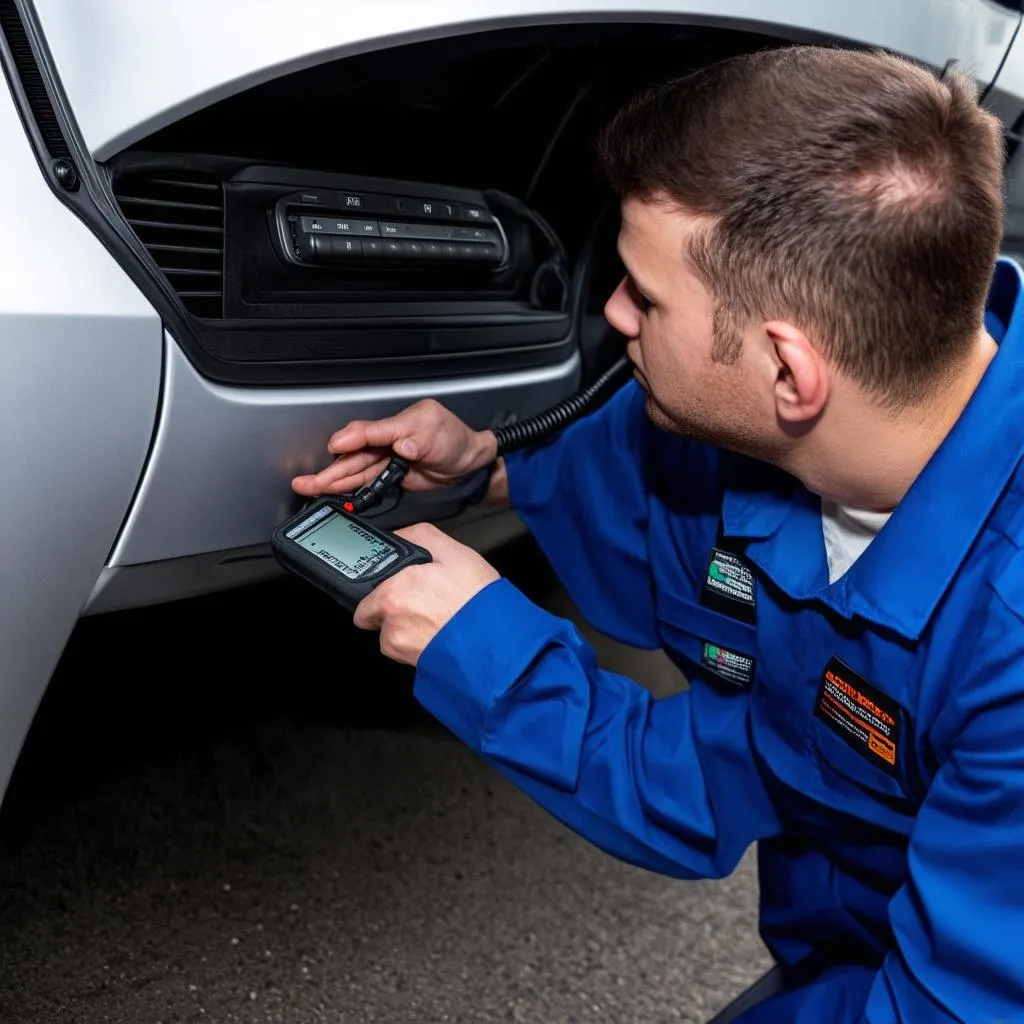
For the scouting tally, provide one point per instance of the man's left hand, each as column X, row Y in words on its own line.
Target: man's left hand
column 410, row 608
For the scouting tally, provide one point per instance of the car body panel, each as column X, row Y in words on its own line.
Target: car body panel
column 223, row 457
column 205, row 52
column 80, row 367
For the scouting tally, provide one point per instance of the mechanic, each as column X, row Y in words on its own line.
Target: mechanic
column 812, row 498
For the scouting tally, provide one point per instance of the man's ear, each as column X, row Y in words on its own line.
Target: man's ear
column 802, row 383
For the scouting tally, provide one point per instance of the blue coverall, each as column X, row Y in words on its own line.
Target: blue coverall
column 868, row 735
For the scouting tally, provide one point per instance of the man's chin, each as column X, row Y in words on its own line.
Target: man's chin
column 741, row 440
column 660, row 417
column 656, row 414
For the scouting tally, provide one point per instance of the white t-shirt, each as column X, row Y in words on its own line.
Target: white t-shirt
column 847, row 532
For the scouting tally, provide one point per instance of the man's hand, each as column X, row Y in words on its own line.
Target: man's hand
column 439, row 447
column 410, row 608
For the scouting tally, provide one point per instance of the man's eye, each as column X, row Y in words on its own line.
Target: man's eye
column 639, row 298
column 642, row 301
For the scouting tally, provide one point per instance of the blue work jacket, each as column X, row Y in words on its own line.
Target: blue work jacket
column 868, row 735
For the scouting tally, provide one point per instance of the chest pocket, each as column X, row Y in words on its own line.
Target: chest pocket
column 707, row 645
column 711, row 634
column 844, row 767
column 861, row 735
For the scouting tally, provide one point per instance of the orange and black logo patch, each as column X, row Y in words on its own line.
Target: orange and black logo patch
column 859, row 713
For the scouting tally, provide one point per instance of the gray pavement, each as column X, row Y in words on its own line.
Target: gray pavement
column 223, row 838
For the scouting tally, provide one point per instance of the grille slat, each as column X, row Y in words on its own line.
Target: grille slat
column 180, row 221
column 173, row 225
column 186, row 183
column 163, row 247
column 170, row 202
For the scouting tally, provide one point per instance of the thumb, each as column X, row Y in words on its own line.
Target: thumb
column 407, row 448
column 428, row 536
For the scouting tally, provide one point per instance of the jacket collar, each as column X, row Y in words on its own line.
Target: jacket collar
column 905, row 571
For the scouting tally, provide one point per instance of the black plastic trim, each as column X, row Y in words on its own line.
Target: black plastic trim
column 271, row 174
column 33, row 89
column 35, row 85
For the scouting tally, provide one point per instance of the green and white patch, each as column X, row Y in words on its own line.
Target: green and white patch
column 730, row 666
column 729, row 577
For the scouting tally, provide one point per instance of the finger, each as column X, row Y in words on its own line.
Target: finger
column 437, row 542
column 393, row 433
column 353, row 465
column 446, row 552
column 341, row 478
column 393, row 649
column 305, row 485
column 368, row 613
column 350, row 438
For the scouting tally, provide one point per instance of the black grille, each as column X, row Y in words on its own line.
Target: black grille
column 31, row 80
column 179, row 218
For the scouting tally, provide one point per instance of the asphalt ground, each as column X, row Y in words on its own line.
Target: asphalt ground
column 231, row 809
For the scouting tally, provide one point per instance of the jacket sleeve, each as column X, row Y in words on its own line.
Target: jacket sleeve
column 629, row 773
column 585, row 499
column 958, row 921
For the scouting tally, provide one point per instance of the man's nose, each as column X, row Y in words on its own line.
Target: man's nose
column 621, row 312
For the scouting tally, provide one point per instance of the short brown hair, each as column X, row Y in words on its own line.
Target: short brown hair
column 855, row 193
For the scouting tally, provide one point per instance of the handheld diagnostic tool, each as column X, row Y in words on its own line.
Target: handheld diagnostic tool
column 340, row 553
column 332, row 546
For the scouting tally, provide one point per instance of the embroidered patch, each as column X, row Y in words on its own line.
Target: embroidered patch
column 859, row 713
column 731, row 666
column 729, row 586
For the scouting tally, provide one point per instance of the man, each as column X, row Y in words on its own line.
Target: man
column 813, row 498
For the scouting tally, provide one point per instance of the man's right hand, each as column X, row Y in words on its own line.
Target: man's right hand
column 438, row 446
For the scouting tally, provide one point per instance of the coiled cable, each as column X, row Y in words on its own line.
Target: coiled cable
column 544, row 425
